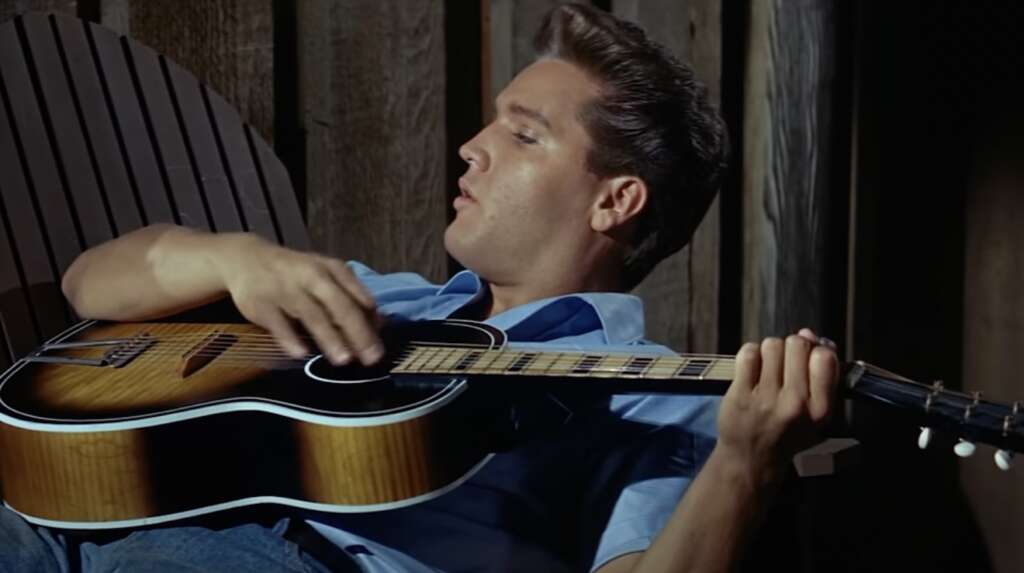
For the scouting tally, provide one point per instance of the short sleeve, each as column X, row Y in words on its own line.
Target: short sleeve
column 662, row 443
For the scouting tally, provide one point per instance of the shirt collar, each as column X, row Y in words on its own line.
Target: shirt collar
column 619, row 316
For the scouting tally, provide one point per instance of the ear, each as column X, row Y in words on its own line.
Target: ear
column 620, row 200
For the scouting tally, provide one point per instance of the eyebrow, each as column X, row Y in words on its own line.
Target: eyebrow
column 519, row 109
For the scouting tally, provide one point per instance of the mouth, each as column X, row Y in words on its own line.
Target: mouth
column 465, row 197
column 465, row 190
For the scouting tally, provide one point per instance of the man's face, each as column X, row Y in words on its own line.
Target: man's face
column 527, row 195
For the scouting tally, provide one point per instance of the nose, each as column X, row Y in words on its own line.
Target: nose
column 474, row 153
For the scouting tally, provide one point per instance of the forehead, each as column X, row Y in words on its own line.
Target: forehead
column 552, row 86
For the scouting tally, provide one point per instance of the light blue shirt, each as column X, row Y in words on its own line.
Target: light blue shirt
column 599, row 487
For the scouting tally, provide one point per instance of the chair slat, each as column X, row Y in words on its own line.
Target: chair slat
column 110, row 162
column 99, row 135
column 169, row 140
column 72, row 155
column 18, row 334
column 279, row 190
column 42, row 175
column 142, row 162
column 258, row 217
column 39, row 270
column 214, row 180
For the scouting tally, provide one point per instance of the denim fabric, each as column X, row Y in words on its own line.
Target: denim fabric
column 250, row 547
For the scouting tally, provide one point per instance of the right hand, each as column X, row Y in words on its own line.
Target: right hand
column 272, row 286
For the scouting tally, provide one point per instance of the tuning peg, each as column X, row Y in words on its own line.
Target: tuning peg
column 924, row 438
column 1004, row 459
column 964, row 448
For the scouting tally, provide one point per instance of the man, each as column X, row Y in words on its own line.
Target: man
column 602, row 159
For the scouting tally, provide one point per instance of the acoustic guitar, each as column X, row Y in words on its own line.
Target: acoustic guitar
column 114, row 425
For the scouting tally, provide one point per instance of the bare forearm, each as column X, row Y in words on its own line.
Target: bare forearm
column 713, row 522
column 148, row 273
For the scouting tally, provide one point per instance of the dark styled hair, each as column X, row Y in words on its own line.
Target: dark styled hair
column 652, row 119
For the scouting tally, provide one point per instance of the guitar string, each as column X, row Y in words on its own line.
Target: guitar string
column 565, row 363
column 244, row 352
column 273, row 347
column 269, row 342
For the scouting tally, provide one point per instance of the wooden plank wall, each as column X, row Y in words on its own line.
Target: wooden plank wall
column 373, row 82
column 681, row 296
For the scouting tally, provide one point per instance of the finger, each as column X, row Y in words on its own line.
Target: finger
column 327, row 336
column 795, row 379
column 357, row 327
column 824, row 382
column 809, row 335
column 348, row 280
column 283, row 332
column 748, row 368
column 772, row 353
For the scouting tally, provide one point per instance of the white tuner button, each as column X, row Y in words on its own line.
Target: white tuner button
column 924, row 438
column 1004, row 459
column 964, row 449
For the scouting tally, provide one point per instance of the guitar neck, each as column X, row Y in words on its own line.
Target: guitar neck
column 619, row 372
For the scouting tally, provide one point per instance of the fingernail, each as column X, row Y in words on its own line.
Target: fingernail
column 827, row 342
column 372, row 354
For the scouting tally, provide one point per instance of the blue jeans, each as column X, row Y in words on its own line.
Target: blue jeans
column 250, row 547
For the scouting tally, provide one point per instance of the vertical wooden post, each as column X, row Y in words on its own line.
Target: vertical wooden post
column 373, row 90
column 681, row 294
column 788, row 160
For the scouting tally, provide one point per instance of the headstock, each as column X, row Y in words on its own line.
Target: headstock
column 966, row 415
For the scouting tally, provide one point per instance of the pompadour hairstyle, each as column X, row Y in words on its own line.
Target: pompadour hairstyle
column 652, row 119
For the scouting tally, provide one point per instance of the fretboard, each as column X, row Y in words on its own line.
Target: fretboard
column 630, row 371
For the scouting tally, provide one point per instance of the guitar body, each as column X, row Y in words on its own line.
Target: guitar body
column 173, row 420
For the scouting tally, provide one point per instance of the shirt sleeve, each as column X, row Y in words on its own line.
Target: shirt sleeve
column 650, row 458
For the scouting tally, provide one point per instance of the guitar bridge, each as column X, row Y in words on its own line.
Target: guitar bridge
column 121, row 351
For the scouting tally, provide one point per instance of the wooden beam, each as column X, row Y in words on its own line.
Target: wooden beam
column 373, row 85
column 788, row 163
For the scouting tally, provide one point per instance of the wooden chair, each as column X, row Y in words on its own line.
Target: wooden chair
column 100, row 135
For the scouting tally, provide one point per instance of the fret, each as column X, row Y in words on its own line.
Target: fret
column 663, row 367
column 436, row 361
column 486, row 359
column 418, row 359
column 637, row 365
column 542, row 363
column 586, row 363
column 694, row 368
column 522, row 362
column 612, row 366
column 470, row 358
column 499, row 363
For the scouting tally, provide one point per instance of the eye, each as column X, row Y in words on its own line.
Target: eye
column 524, row 138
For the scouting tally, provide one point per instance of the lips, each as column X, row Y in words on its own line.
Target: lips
column 465, row 198
column 464, row 188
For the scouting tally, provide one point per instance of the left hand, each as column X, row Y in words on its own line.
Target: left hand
column 783, row 392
